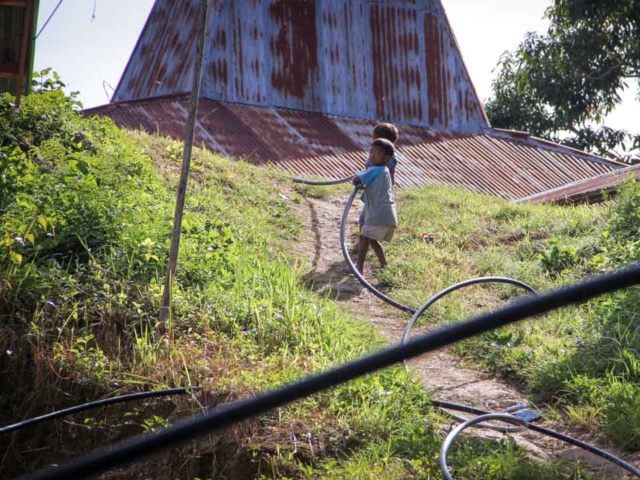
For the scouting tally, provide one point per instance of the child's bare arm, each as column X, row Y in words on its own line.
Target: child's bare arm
column 356, row 180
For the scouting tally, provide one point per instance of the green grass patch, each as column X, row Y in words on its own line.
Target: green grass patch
column 582, row 360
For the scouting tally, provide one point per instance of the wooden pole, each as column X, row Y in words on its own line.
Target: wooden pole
column 24, row 47
column 165, row 308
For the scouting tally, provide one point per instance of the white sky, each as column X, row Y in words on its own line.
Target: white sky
column 88, row 52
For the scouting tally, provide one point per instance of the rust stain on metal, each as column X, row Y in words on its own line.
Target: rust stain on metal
column 586, row 190
column 378, row 77
column 494, row 162
column 432, row 41
column 395, row 61
column 294, row 47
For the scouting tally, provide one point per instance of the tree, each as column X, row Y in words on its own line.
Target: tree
column 560, row 86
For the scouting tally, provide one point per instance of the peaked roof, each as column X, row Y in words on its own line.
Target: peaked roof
column 302, row 82
column 370, row 59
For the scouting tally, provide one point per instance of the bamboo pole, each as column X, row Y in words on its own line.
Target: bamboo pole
column 165, row 308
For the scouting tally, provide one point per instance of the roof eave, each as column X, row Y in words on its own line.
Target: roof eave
column 555, row 194
column 526, row 137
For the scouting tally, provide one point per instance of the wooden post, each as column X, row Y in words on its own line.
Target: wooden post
column 24, row 47
column 184, row 173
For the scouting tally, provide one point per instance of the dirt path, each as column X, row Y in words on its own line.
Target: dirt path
column 441, row 372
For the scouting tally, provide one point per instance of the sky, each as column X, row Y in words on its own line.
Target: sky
column 90, row 52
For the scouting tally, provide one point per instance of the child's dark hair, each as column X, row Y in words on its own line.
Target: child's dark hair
column 386, row 131
column 385, row 145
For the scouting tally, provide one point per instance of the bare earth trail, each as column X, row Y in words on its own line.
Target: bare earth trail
column 441, row 371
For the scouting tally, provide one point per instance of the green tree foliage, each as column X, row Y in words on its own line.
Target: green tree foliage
column 560, row 86
column 65, row 181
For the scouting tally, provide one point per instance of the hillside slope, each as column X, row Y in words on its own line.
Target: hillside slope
column 85, row 223
column 467, row 374
column 582, row 361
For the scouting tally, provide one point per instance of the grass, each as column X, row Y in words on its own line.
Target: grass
column 85, row 229
column 583, row 361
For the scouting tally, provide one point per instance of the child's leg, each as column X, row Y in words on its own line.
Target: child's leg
column 363, row 248
column 379, row 252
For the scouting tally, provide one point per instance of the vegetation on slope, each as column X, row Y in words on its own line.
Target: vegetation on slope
column 85, row 224
column 582, row 361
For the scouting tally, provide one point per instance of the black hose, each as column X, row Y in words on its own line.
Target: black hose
column 96, row 404
column 185, row 430
column 455, row 287
column 418, row 313
column 352, row 267
column 551, row 433
column 519, row 424
column 304, row 181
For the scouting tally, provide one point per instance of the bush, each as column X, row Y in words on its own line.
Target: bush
column 86, row 223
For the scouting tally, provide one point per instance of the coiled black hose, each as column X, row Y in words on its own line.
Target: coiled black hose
column 551, row 433
column 477, row 421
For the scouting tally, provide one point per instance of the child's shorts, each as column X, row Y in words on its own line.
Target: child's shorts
column 381, row 233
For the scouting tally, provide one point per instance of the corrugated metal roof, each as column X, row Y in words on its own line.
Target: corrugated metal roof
column 511, row 165
column 371, row 59
column 588, row 190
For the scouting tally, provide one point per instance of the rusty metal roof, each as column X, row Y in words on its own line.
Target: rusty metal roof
column 512, row 165
column 589, row 190
column 375, row 60
column 300, row 83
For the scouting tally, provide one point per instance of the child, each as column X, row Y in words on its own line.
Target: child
column 380, row 219
column 389, row 132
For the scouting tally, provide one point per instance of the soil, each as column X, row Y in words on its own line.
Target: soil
column 442, row 372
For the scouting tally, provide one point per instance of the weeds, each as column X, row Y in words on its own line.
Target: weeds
column 85, row 225
column 582, row 360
